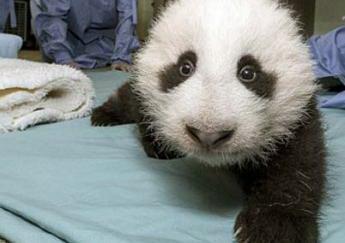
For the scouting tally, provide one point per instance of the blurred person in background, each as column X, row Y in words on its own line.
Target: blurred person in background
column 86, row 33
column 7, row 10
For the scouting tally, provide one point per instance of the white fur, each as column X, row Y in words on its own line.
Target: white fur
column 213, row 99
column 24, row 94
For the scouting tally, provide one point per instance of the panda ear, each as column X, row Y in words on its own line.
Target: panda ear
column 171, row 77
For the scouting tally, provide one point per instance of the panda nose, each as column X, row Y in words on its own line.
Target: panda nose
column 212, row 140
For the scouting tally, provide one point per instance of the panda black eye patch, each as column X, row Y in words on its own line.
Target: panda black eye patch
column 254, row 78
column 175, row 74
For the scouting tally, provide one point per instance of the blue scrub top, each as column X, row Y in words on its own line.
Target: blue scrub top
column 92, row 33
column 328, row 53
column 7, row 9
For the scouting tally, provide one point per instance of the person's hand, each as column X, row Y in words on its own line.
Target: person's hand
column 73, row 65
column 121, row 66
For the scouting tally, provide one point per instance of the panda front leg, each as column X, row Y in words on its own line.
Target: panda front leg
column 120, row 108
column 281, row 208
column 155, row 148
column 262, row 225
column 284, row 194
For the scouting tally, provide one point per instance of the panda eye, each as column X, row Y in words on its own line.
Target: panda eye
column 248, row 74
column 187, row 68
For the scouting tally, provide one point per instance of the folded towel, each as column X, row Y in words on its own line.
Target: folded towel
column 32, row 93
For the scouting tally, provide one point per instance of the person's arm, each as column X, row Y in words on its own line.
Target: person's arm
column 7, row 10
column 51, row 28
column 126, row 41
column 3, row 12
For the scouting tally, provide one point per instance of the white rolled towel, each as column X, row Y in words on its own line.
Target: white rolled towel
column 33, row 93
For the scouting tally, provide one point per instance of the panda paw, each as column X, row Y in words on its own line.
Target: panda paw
column 101, row 118
column 154, row 151
column 268, row 226
column 165, row 155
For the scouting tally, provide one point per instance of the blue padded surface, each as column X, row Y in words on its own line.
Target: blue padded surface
column 70, row 182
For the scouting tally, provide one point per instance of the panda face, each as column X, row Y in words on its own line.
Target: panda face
column 224, row 81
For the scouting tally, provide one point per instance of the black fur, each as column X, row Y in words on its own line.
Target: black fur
column 170, row 76
column 120, row 108
column 284, row 194
column 124, row 107
column 265, row 83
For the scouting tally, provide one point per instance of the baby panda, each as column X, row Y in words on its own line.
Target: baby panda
column 230, row 82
